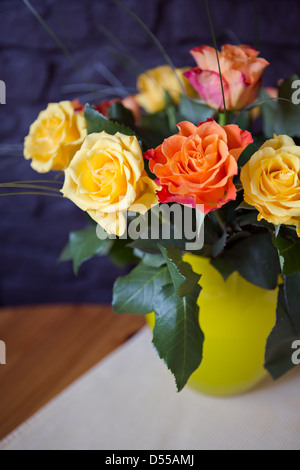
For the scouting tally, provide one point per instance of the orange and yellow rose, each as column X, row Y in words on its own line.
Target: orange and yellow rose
column 106, row 178
column 196, row 166
column 241, row 70
column 55, row 137
column 271, row 181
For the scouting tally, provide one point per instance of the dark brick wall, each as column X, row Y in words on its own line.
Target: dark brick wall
column 33, row 230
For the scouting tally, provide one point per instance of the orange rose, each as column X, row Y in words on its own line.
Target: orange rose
column 241, row 72
column 197, row 165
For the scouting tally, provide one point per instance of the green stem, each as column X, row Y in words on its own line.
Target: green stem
column 33, row 181
column 171, row 119
column 36, row 193
column 222, row 119
column 52, row 34
column 154, row 40
column 28, row 186
column 217, row 54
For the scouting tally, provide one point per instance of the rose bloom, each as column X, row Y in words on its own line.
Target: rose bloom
column 55, row 137
column 197, row 165
column 153, row 84
column 241, row 72
column 107, row 178
column 271, row 181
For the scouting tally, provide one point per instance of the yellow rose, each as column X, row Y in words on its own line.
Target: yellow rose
column 153, row 84
column 271, row 181
column 107, row 178
column 55, row 137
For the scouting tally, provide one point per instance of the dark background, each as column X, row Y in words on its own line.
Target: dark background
column 34, row 229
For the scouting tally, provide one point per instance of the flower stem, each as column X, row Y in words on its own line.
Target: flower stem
column 33, row 182
column 36, row 193
column 222, row 119
column 28, row 186
column 217, row 54
column 153, row 39
column 52, row 34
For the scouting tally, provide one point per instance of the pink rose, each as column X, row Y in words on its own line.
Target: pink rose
column 241, row 72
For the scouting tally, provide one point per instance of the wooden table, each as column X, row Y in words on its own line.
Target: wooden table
column 48, row 347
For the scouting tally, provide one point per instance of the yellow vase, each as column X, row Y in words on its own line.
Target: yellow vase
column 236, row 318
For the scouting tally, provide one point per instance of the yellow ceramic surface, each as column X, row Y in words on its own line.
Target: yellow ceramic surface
column 236, row 318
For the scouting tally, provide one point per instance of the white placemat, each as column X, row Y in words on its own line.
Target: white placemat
column 129, row 402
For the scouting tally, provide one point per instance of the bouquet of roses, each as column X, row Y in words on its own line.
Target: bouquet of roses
column 179, row 169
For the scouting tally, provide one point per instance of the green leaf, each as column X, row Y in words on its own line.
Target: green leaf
column 256, row 259
column 146, row 246
column 184, row 278
column 281, row 116
column 251, row 218
column 212, row 230
column 243, row 120
column 247, row 154
column 290, row 112
column 96, row 122
column 177, row 335
column 245, row 205
column 278, row 356
column 154, row 128
column 118, row 112
column 172, row 119
column 168, row 99
column 83, row 245
column 219, row 245
column 66, row 254
column 151, row 246
column 194, row 111
column 223, row 266
column 136, row 292
column 269, row 109
column 154, row 261
column 289, row 254
column 292, row 291
column 121, row 254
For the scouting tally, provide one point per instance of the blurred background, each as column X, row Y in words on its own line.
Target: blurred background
column 103, row 47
